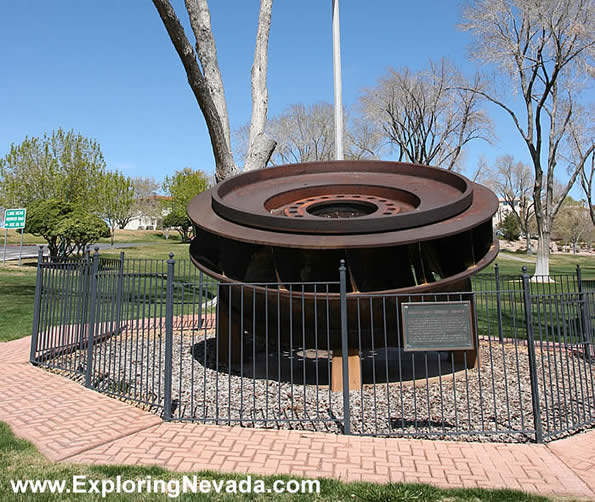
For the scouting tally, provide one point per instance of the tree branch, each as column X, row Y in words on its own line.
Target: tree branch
column 260, row 147
column 501, row 105
column 200, row 21
column 225, row 165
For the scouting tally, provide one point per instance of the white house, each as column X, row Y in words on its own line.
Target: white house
column 142, row 221
column 504, row 209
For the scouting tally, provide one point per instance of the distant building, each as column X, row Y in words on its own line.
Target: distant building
column 154, row 221
column 504, row 209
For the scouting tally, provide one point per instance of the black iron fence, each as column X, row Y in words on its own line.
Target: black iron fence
column 162, row 335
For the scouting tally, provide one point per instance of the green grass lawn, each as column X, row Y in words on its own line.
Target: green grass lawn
column 159, row 249
column 17, row 284
column 17, row 292
column 19, row 459
column 156, row 246
column 14, row 237
column 511, row 263
column 141, row 236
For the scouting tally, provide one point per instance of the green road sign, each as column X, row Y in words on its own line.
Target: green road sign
column 15, row 218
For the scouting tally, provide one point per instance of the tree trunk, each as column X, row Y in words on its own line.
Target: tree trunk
column 53, row 249
column 542, row 267
column 260, row 146
column 208, row 93
column 206, row 82
column 528, row 239
column 260, row 152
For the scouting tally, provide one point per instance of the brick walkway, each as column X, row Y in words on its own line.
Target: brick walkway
column 70, row 423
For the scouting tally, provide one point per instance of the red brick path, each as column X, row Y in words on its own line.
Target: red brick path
column 70, row 423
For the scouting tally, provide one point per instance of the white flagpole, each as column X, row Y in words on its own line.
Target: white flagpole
column 337, row 78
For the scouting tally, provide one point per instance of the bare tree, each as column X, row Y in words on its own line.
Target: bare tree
column 306, row 133
column 426, row 115
column 480, row 174
column 542, row 47
column 204, row 77
column 581, row 139
column 513, row 182
column 587, row 184
column 303, row 134
column 146, row 201
column 363, row 139
column 573, row 223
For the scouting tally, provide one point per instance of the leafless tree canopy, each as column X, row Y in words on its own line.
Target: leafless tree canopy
column 513, row 183
column 580, row 141
column 145, row 200
column 587, row 185
column 574, row 224
column 303, row 133
column 544, row 48
column 306, row 133
column 426, row 115
column 363, row 139
column 204, row 76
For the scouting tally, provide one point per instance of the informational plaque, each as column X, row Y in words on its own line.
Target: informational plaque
column 15, row 218
column 437, row 326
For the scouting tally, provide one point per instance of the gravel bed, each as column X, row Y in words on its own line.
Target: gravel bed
column 491, row 402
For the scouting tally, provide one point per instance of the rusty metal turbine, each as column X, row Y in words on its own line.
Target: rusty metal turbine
column 401, row 228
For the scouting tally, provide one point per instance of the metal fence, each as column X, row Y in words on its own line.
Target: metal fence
column 311, row 356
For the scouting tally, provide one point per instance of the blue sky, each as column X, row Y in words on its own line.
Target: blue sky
column 107, row 69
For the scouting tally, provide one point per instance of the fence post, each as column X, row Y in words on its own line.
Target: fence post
column 498, row 302
column 585, row 316
column 37, row 306
column 83, row 313
column 532, row 358
column 92, row 308
column 345, row 348
column 119, row 292
column 169, row 321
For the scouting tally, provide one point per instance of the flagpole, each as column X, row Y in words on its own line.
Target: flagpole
column 338, row 87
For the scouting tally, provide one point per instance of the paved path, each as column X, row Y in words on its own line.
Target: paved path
column 12, row 252
column 30, row 251
column 70, row 423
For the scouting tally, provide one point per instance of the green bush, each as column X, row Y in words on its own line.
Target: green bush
column 179, row 221
column 66, row 226
column 510, row 228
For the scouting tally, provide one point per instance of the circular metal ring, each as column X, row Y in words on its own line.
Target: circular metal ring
column 421, row 195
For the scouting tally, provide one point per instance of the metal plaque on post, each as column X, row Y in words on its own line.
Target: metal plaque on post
column 435, row 326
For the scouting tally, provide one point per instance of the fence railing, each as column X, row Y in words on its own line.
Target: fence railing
column 312, row 356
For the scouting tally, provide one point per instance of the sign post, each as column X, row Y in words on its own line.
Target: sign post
column 5, row 233
column 21, row 246
column 14, row 219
